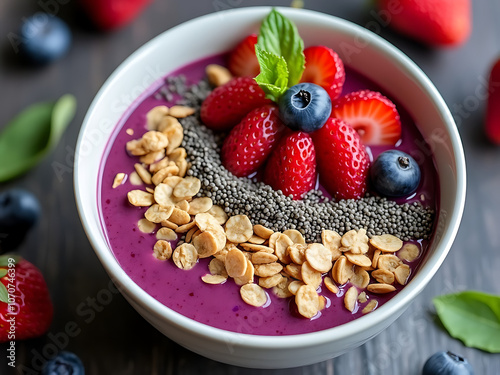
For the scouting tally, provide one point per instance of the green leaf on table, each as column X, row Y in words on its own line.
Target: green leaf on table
column 273, row 76
column 279, row 35
column 33, row 134
column 472, row 317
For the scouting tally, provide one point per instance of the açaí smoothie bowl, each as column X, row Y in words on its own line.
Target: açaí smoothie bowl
column 221, row 208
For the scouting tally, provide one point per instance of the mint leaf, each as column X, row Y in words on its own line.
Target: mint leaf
column 4, row 295
column 33, row 134
column 280, row 36
column 273, row 76
column 472, row 317
column 3, row 272
column 4, row 260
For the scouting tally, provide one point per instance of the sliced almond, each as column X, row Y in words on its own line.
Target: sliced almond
column 218, row 75
column 213, row 279
column 351, row 298
column 239, row 229
column 163, row 195
column 169, row 224
column 154, row 141
column 157, row 213
column 178, row 154
column 172, row 181
column 248, row 276
column 235, row 262
column 387, row 243
column 162, row 250
column 262, row 231
column 266, row 270
column 253, row 295
column 155, row 115
column 383, row 276
column 183, row 205
column 358, row 259
column 135, row 179
column 168, row 122
column 409, row 252
column 263, row 257
column 380, row 288
column 119, row 178
column 280, row 247
column 218, row 213
column 281, row 290
column 181, row 111
column 188, row 187
column 310, row 276
column 145, row 226
column 155, row 167
column 319, row 257
column 179, row 217
column 152, row 157
column 252, row 247
column 140, row 198
column 270, row 281
column 376, row 255
column 331, row 240
column 175, row 134
column 342, row 271
column 360, row 278
column 388, row 262
column 355, row 241
column 166, row 234
column 205, row 244
column 296, row 252
column 294, row 286
column 295, row 236
column 307, row 301
column 402, row 273
column 185, row 256
column 370, row 306
column 256, row 240
column 217, row 267
column 294, row 270
column 199, row 205
column 330, row 285
column 186, row 227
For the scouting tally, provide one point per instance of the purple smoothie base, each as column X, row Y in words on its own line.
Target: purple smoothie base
column 221, row 306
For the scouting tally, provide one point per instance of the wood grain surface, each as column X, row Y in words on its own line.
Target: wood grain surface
column 112, row 338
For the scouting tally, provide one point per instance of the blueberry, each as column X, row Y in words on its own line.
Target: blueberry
column 447, row 363
column 19, row 211
column 305, row 107
column 65, row 363
column 44, row 38
column 395, row 174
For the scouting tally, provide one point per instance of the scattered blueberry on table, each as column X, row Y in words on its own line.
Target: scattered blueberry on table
column 65, row 363
column 19, row 211
column 447, row 363
column 305, row 107
column 395, row 174
column 45, row 38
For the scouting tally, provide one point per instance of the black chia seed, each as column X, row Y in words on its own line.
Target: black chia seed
column 273, row 209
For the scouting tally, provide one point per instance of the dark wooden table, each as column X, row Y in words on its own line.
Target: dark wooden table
column 115, row 339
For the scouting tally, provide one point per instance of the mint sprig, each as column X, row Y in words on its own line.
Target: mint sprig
column 280, row 51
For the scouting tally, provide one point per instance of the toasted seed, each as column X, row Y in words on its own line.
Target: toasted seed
column 199, row 205
column 256, row 240
column 157, row 213
column 179, row 217
column 319, row 257
column 331, row 240
column 296, row 252
column 330, row 285
column 266, row 270
column 213, row 279
column 253, row 295
column 155, row 115
column 388, row 262
column 310, row 276
column 383, row 276
column 402, row 273
column 239, row 229
column 387, row 243
column 295, row 236
column 263, row 257
column 358, row 259
column 307, row 301
column 119, row 178
column 145, row 226
column 180, row 111
column 360, row 278
column 185, row 256
column 218, row 75
column 235, row 262
column 166, row 234
column 351, row 298
column 409, row 252
column 247, row 278
column 205, row 244
column 140, row 198
column 262, row 231
column 380, row 288
column 162, row 250
column 219, row 214
column 294, row 270
column 270, row 281
column 370, row 306
column 135, row 179
column 294, row 286
column 280, row 247
column 188, row 187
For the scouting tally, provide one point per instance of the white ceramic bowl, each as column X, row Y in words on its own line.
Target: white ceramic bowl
column 360, row 49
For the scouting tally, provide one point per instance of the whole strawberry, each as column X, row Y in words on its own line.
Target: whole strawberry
column 342, row 160
column 111, row 14
column 291, row 167
column 434, row 22
column 30, row 312
column 242, row 60
column 493, row 107
column 228, row 104
column 249, row 143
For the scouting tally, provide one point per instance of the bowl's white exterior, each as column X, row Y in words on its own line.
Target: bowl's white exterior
column 361, row 50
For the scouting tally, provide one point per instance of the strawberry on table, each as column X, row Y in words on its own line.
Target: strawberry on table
column 249, row 143
column 242, row 59
column 228, row 104
column 32, row 306
column 111, row 14
column 343, row 163
column 372, row 115
column 434, row 22
column 291, row 167
column 493, row 107
column 324, row 68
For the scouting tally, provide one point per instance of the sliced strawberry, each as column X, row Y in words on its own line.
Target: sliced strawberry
column 228, row 104
column 291, row 167
column 493, row 106
column 32, row 308
column 242, row 60
column 249, row 143
column 343, row 162
column 374, row 117
column 324, row 68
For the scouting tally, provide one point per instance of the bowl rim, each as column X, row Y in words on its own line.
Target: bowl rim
column 396, row 303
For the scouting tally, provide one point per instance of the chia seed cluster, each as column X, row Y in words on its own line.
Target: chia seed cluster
column 273, row 209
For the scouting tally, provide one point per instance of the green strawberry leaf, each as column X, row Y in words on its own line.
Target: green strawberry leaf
column 4, row 295
column 279, row 35
column 4, row 259
column 273, row 77
column 3, row 272
column 472, row 317
column 33, row 134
